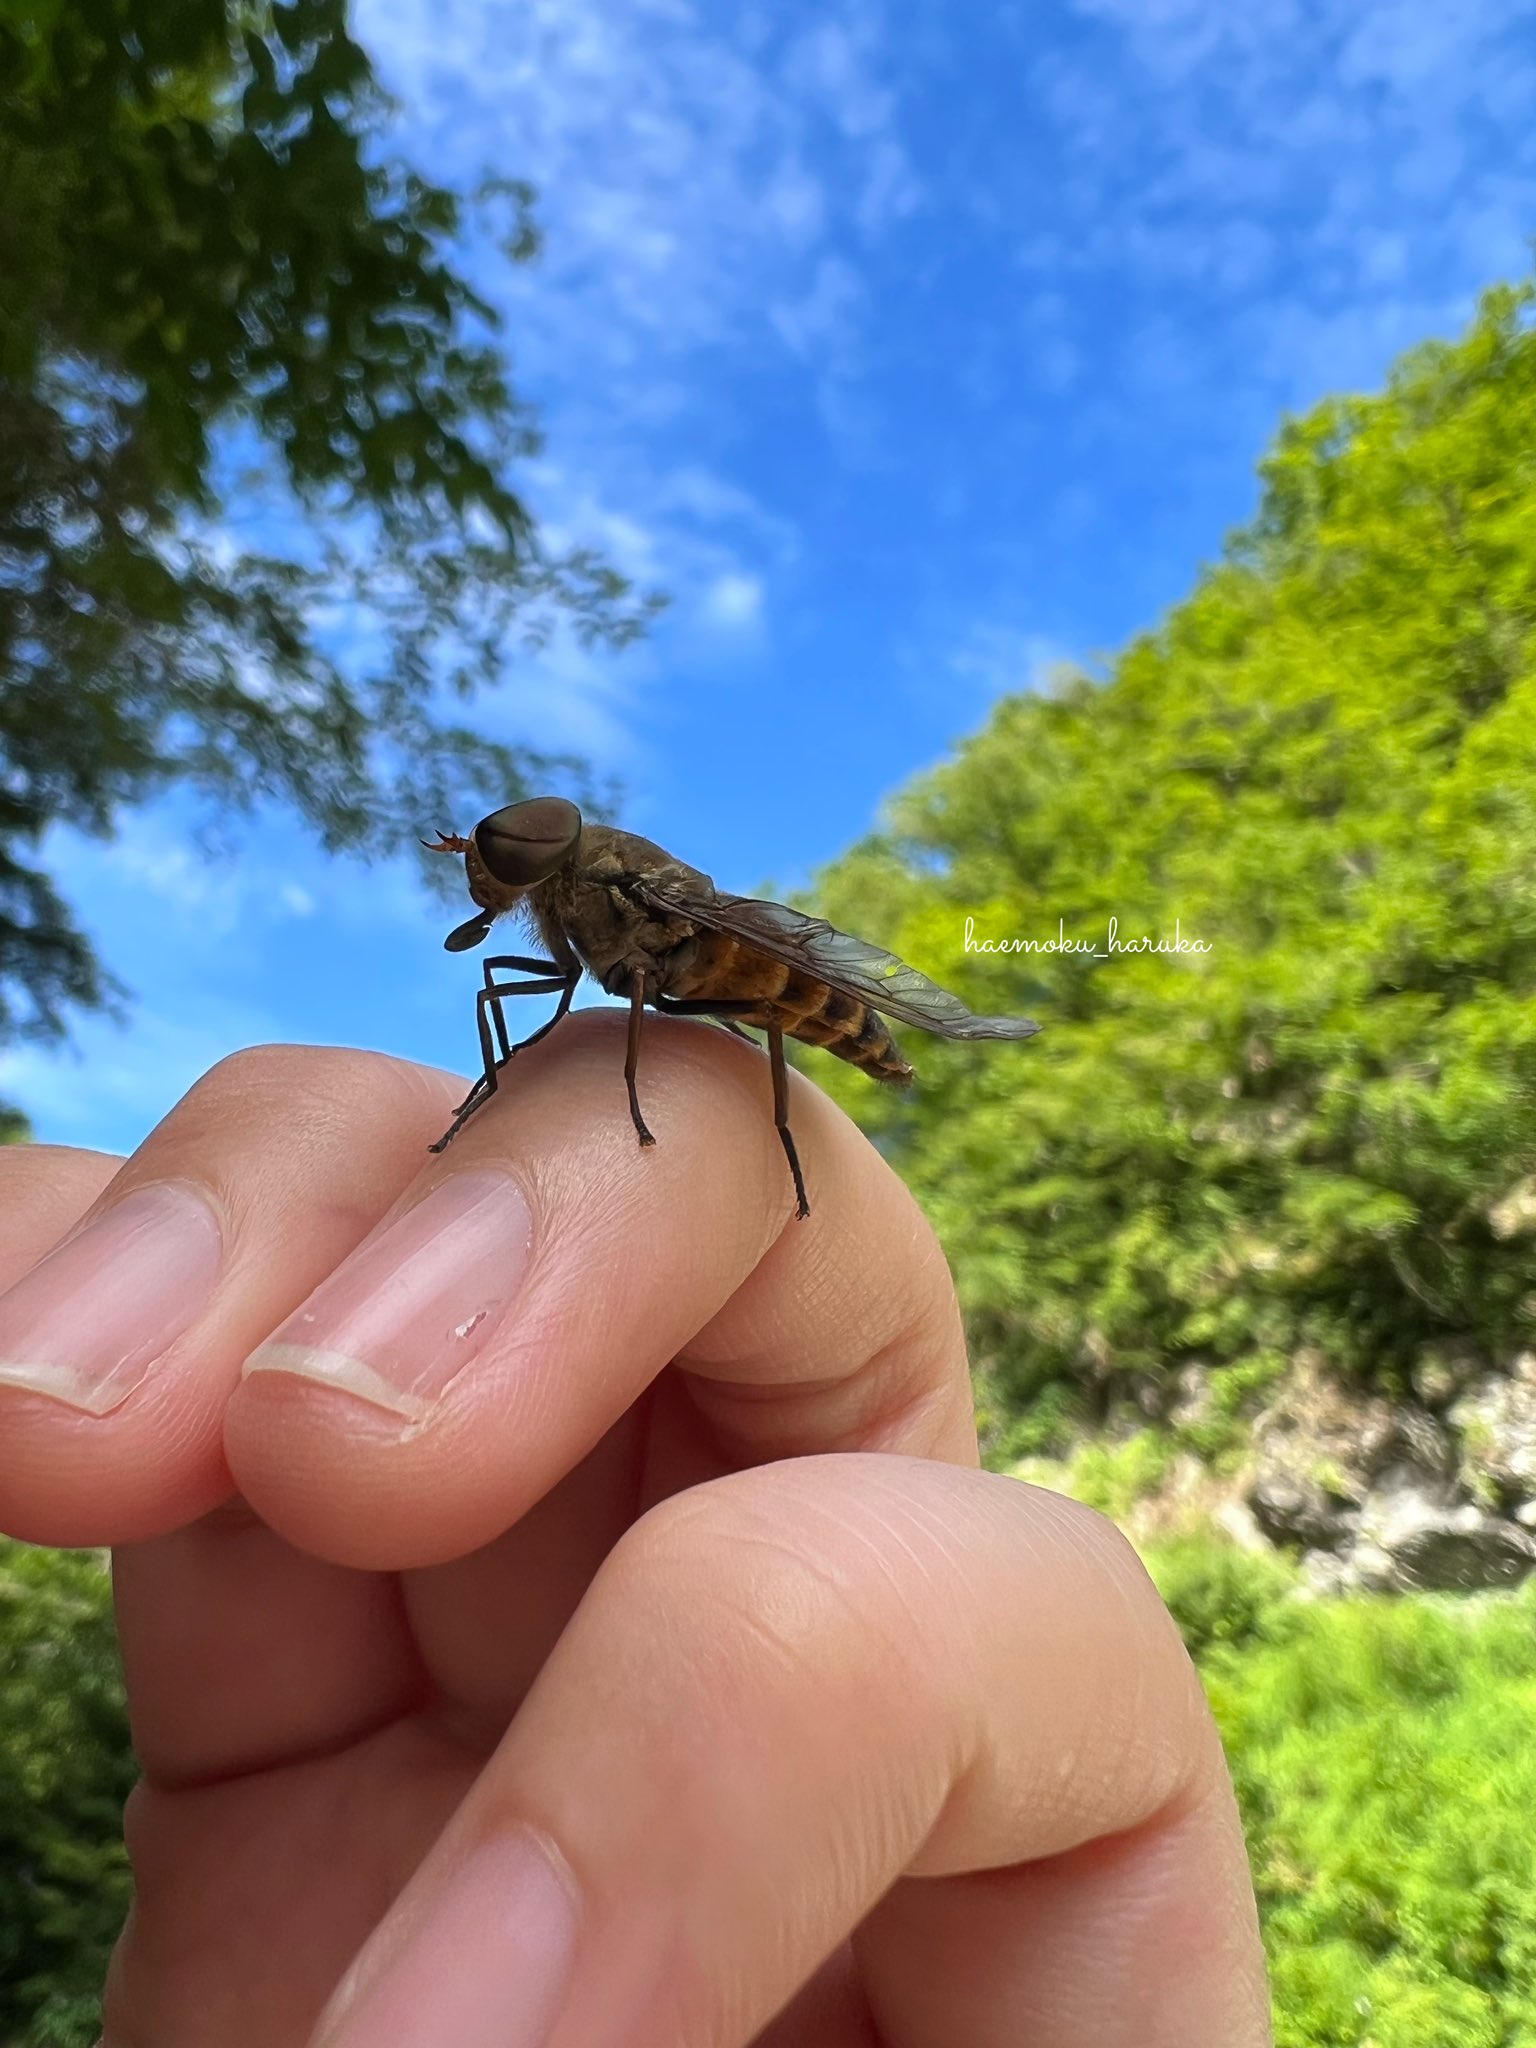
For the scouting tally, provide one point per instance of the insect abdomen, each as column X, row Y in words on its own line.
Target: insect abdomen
column 851, row 1030
column 800, row 1003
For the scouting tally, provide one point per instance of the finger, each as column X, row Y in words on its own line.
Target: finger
column 847, row 1336
column 299, row 1656
column 784, row 1694
column 44, row 1191
column 122, row 1345
column 241, row 1653
column 544, row 1272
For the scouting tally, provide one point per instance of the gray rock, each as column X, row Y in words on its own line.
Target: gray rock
column 1497, row 1423
column 1370, row 1569
column 1422, row 1535
column 1382, row 1496
column 1442, row 1371
column 1293, row 1509
column 1515, row 1211
column 1461, row 1551
column 1324, row 1576
column 1191, row 1402
column 1321, row 1448
column 1240, row 1525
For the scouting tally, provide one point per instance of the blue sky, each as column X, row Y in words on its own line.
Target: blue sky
column 913, row 349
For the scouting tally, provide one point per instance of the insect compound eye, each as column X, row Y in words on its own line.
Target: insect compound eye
column 523, row 843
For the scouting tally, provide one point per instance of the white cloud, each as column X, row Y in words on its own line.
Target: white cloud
column 711, row 186
column 576, row 700
column 198, row 891
column 820, row 322
column 796, row 203
column 734, row 601
column 839, row 63
column 1002, row 659
column 699, row 541
column 1319, row 175
column 674, row 149
column 704, row 498
column 113, row 1085
column 962, row 667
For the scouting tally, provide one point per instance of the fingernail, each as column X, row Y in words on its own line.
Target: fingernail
column 486, row 1965
column 89, row 1320
column 404, row 1315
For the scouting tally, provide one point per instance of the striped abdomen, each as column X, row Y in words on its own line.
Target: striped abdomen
column 715, row 965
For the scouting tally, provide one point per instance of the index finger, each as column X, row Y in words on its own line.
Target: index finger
column 541, row 1274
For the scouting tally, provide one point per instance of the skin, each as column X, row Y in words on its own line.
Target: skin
column 837, row 1740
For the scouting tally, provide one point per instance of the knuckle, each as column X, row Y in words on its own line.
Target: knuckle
column 780, row 1596
column 259, row 1071
column 310, row 1085
column 24, row 1166
column 309, row 1105
column 765, row 1621
column 51, row 1184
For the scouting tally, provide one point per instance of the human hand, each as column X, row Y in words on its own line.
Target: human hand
column 551, row 1643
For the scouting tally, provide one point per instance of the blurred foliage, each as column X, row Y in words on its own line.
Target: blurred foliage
column 1322, row 766
column 65, row 1770
column 1218, row 1593
column 1111, row 1474
column 1384, row 1767
column 257, row 533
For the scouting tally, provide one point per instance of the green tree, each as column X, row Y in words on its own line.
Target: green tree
column 1323, row 766
column 258, row 534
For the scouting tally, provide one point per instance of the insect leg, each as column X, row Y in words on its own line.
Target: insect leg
column 523, row 966
column 781, row 1114
column 567, row 985
column 488, row 1002
column 485, row 1086
column 636, row 1012
column 543, row 968
column 477, row 1095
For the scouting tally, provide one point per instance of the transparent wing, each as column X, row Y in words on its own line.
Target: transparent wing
column 852, row 965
